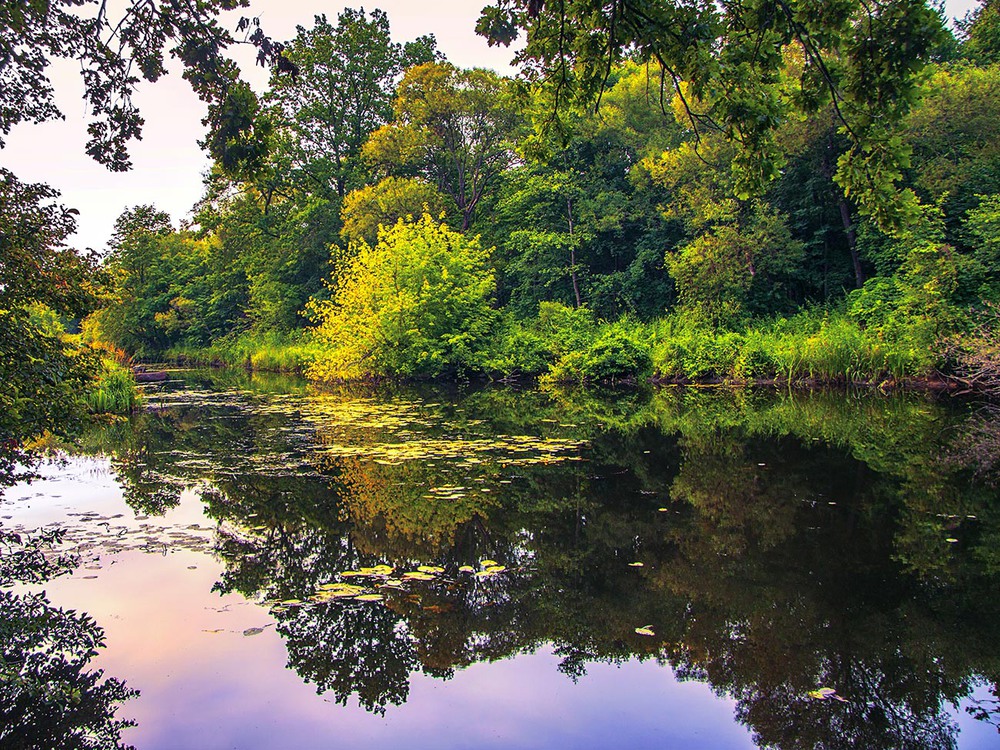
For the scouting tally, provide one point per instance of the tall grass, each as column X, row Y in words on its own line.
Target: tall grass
column 268, row 351
column 114, row 391
column 815, row 345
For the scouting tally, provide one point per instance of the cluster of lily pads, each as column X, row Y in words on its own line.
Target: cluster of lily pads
column 376, row 579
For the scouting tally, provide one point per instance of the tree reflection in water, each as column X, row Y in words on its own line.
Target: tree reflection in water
column 48, row 696
column 787, row 542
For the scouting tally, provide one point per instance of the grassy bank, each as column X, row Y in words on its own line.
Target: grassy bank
column 565, row 345
column 269, row 352
column 113, row 391
column 816, row 346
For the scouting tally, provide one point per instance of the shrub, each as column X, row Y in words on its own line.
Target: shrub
column 416, row 304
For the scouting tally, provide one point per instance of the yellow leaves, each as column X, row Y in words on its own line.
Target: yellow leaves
column 417, row 576
column 407, row 306
column 337, row 591
column 646, row 630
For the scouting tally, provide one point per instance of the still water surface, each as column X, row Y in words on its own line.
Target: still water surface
column 276, row 566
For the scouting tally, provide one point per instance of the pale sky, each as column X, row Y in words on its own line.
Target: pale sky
column 167, row 163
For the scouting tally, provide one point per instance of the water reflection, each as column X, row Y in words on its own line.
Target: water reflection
column 49, row 697
column 846, row 541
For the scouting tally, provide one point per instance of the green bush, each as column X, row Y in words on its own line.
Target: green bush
column 618, row 354
column 418, row 304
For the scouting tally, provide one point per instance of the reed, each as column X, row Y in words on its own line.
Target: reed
column 114, row 391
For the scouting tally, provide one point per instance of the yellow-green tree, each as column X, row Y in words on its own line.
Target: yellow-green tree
column 416, row 304
column 394, row 198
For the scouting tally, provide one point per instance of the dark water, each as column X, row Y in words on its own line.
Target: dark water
column 274, row 566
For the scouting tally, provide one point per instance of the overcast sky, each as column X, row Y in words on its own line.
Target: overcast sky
column 168, row 165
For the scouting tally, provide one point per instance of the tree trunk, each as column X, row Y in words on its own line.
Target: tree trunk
column 572, row 253
column 852, row 242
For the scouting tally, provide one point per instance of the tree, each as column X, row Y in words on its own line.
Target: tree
column 114, row 52
column 343, row 91
column 579, row 223
column 382, row 205
column 40, row 383
column 981, row 31
column 36, row 266
column 416, row 304
column 451, row 127
column 952, row 132
column 739, row 256
column 725, row 61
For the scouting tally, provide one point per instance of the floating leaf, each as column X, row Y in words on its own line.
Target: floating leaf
column 416, row 576
column 430, row 569
column 337, row 590
column 635, row 564
column 646, row 630
column 291, row 602
column 467, row 569
column 370, row 598
column 951, row 540
column 496, row 569
column 488, row 563
column 255, row 631
column 378, row 570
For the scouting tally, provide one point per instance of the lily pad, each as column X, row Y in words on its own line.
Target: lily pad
column 418, row 576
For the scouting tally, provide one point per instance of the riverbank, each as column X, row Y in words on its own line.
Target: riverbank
column 566, row 346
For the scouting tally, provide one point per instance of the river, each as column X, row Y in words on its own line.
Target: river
column 269, row 564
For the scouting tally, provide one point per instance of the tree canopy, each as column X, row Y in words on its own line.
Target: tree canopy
column 742, row 69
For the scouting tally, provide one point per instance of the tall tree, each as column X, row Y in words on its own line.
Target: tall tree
column 343, row 91
column 452, row 127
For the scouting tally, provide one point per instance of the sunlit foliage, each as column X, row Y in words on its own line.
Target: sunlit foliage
column 415, row 304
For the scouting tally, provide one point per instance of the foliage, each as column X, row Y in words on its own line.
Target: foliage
column 343, row 92
column 113, row 391
column 981, row 31
column 952, row 134
column 415, row 304
column 382, row 205
column 114, row 52
column 726, row 61
column 41, row 374
column 450, row 126
column 266, row 351
column 620, row 352
column 48, row 697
